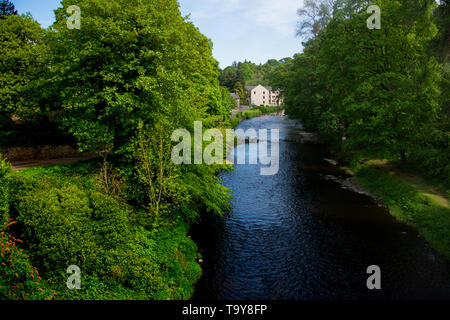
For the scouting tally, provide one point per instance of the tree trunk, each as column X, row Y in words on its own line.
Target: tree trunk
column 403, row 156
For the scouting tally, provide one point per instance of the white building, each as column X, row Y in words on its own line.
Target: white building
column 260, row 95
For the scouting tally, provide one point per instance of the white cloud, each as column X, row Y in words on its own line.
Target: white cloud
column 255, row 30
column 208, row 9
column 280, row 15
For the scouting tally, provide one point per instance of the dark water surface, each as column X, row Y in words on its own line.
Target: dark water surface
column 299, row 235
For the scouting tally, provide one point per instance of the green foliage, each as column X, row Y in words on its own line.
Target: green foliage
column 253, row 113
column 66, row 220
column 19, row 280
column 130, row 62
column 156, row 173
column 207, row 194
column 246, row 73
column 266, row 109
column 221, row 102
column 248, row 114
column 4, row 190
column 133, row 73
column 22, row 64
column 234, row 121
column 6, row 9
column 229, row 77
column 240, row 91
column 227, row 101
column 440, row 46
column 372, row 92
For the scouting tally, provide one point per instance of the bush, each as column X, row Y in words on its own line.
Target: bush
column 66, row 220
column 234, row 122
column 266, row 109
column 18, row 278
column 248, row 114
column 4, row 190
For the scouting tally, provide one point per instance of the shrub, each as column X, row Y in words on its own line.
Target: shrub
column 66, row 220
column 18, row 278
column 4, row 190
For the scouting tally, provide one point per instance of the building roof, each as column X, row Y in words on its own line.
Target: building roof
column 235, row 95
column 253, row 87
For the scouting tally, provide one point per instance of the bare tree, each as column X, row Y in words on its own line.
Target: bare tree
column 314, row 17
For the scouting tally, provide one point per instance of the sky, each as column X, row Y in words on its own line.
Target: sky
column 255, row 30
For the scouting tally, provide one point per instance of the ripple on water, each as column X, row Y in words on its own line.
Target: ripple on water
column 297, row 235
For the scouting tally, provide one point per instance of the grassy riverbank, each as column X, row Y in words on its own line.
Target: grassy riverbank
column 254, row 112
column 411, row 200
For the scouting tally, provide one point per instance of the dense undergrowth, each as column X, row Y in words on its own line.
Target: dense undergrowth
column 63, row 216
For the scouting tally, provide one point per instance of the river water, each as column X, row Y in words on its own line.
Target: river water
column 299, row 235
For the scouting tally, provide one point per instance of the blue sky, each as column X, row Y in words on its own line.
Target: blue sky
column 255, row 30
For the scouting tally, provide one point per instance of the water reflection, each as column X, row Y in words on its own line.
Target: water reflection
column 297, row 235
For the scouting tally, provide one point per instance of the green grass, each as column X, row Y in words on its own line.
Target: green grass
column 248, row 114
column 426, row 211
column 266, row 109
column 254, row 112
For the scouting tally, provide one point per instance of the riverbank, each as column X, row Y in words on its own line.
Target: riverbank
column 66, row 215
column 410, row 200
column 254, row 112
column 421, row 204
column 285, row 235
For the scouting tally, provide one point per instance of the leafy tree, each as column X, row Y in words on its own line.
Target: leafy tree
column 383, row 80
column 441, row 43
column 130, row 63
column 228, row 77
column 375, row 92
column 314, row 16
column 22, row 65
column 227, row 101
column 4, row 191
column 7, row 8
column 239, row 89
column 158, row 174
column 245, row 73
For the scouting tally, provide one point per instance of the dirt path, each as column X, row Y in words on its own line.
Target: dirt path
column 22, row 165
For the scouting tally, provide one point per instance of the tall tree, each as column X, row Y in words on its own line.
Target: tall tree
column 132, row 63
column 22, row 53
column 7, row 8
column 371, row 91
column 239, row 89
column 314, row 16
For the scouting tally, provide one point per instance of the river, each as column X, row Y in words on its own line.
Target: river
column 299, row 235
